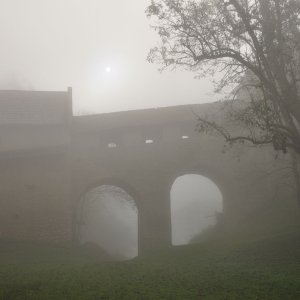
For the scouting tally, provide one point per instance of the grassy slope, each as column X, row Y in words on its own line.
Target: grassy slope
column 268, row 268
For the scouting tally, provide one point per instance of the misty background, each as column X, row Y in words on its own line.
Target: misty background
column 99, row 48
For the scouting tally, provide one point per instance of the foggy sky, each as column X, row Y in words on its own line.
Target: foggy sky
column 53, row 44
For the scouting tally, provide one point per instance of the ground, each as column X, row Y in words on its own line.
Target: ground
column 254, row 268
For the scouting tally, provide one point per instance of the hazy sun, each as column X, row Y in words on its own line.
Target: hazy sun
column 108, row 69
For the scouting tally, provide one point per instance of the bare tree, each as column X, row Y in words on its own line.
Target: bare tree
column 249, row 110
column 256, row 45
column 260, row 38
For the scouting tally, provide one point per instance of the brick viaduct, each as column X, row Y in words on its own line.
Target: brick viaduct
column 49, row 159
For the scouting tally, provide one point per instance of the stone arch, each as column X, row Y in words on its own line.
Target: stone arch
column 110, row 181
column 196, row 205
column 223, row 181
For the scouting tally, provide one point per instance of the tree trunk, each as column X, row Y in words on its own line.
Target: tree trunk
column 296, row 172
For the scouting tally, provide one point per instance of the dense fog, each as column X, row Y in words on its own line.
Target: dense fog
column 97, row 47
column 149, row 149
column 195, row 204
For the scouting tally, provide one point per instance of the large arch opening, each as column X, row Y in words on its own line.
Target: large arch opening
column 107, row 216
column 196, row 202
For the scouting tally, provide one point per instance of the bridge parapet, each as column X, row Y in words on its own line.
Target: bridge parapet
column 134, row 128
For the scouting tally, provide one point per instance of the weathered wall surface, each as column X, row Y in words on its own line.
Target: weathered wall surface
column 35, row 166
column 35, row 197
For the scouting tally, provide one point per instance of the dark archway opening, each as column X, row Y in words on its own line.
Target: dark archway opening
column 108, row 217
column 196, row 202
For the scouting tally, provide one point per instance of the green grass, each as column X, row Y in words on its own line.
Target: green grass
column 265, row 268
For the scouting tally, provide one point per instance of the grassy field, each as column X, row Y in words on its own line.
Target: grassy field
column 264, row 268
